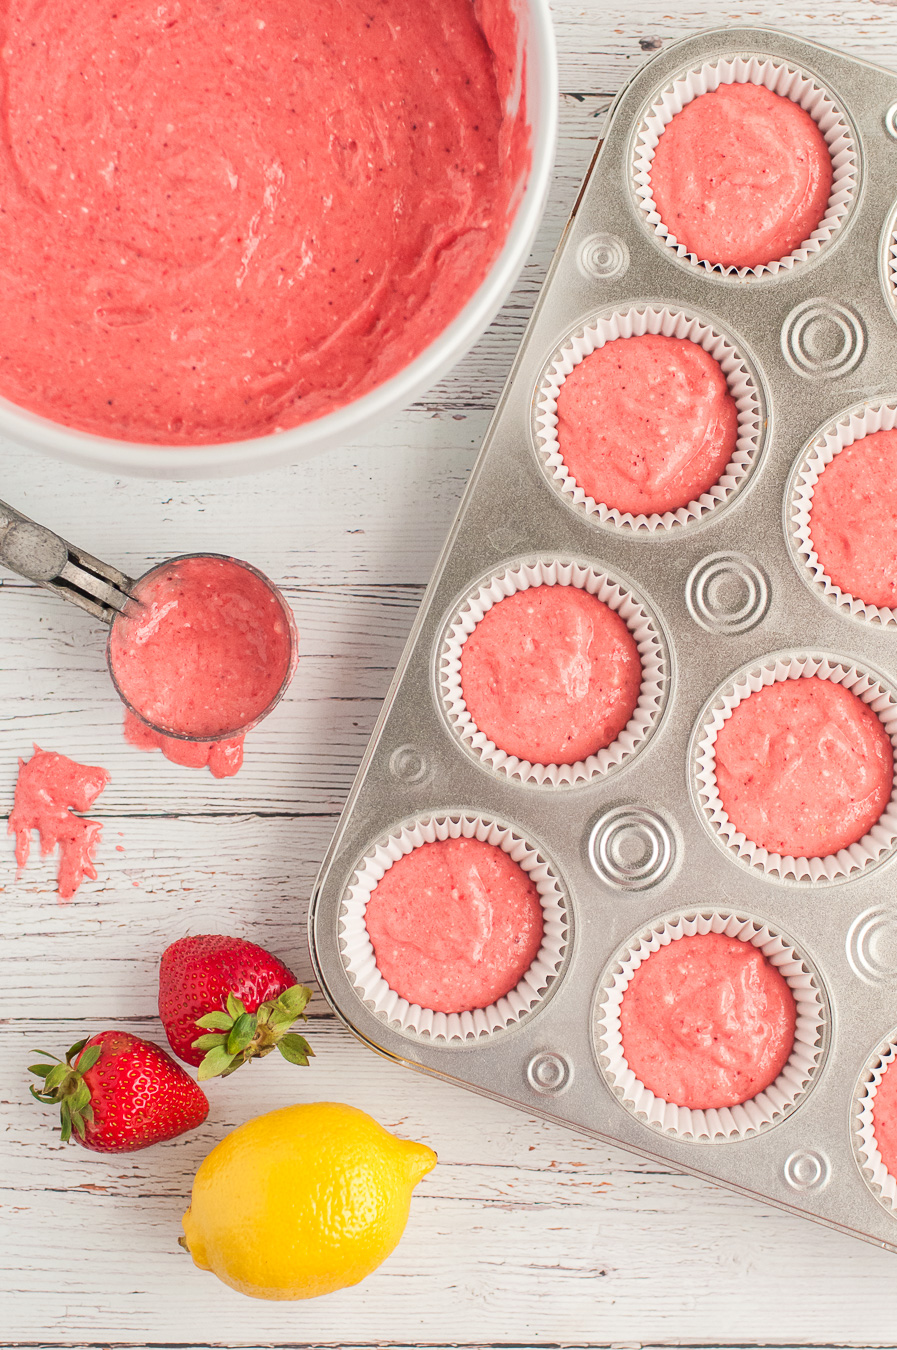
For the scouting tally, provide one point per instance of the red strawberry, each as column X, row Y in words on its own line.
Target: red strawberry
column 224, row 1001
column 120, row 1094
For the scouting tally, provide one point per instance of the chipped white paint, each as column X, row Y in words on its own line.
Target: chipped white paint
column 525, row 1234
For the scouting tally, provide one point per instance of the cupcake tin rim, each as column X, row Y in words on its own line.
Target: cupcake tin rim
column 701, row 586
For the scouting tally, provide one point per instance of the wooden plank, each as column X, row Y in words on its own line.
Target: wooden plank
column 525, row 1233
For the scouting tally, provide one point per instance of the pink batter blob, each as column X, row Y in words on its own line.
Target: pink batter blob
column 884, row 1119
column 207, row 652
column 741, row 176
column 551, row 674
column 49, row 788
column 220, row 219
column 853, row 519
column 804, row 768
column 454, row 925
column 646, row 423
column 222, row 758
column 707, row 1022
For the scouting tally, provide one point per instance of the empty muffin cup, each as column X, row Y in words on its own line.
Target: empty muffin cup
column 574, row 685
column 875, row 1141
column 807, row 1030
column 801, row 89
column 867, row 727
column 463, row 935
column 741, row 449
column 853, row 533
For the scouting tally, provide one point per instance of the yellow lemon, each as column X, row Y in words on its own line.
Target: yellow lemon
column 302, row 1201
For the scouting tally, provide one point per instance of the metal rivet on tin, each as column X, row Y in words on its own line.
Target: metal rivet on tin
column 872, row 946
column 891, row 121
column 631, row 848
column 603, row 256
column 727, row 593
column 807, row 1170
column 408, row 764
column 821, row 339
column 549, row 1073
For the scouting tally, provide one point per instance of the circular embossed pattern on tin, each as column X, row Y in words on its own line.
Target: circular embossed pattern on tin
column 831, row 776
column 802, row 89
column 745, row 394
column 625, row 603
column 533, row 987
column 875, row 1123
column 809, row 1038
column 842, row 513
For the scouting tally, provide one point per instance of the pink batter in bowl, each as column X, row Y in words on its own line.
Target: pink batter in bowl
column 520, row 35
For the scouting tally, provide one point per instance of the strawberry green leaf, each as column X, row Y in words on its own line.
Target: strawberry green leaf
column 209, row 1041
column 57, row 1075
column 76, row 1049
column 79, row 1098
column 89, row 1058
column 241, row 1033
column 38, row 1096
column 235, row 1006
column 215, row 1021
column 40, row 1069
column 87, row 1112
column 66, row 1117
column 293, row 1000
column 47, row 1055
column 78, row 1122
column 216, row 1062
column 295, row 1048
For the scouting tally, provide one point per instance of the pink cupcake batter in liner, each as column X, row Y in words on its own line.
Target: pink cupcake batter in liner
column 843, row 513
column 498, row 946
column 732, row 1057
column 652, row 435
column 586, row 682
column 876, row 1125
column 795, row 168
column 794, row 767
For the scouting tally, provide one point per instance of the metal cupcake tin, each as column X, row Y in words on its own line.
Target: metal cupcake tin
column 728, row 589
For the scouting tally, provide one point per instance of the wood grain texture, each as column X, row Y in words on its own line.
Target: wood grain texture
column 526, row 1235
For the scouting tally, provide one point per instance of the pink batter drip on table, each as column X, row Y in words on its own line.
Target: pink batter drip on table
column 454, row 925
column 804, row 767
column 222, row 758
column 741, row 176
column 50, row 788
column 707, row 1022
column 884, row 1119
column 646, row 424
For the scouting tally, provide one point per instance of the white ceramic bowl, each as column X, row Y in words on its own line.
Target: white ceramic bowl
column 537, row 58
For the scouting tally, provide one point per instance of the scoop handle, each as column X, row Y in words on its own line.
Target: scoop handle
column 36, row 553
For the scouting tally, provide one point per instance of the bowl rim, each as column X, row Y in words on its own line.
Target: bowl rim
column 442, row 352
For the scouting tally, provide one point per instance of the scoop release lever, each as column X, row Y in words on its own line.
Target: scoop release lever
column 36, row 553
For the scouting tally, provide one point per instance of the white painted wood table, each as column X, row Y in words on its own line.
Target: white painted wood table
column 525, row 1234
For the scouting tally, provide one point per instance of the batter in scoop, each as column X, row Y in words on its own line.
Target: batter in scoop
column 222, row 219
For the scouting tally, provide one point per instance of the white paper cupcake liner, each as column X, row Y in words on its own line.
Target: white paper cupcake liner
column 619, row 597
column 853, row 425
column 666, row 321
column 873, row 847
column 725, row 1123
column 801, row 88
column 358, row 953
column 880, row 1181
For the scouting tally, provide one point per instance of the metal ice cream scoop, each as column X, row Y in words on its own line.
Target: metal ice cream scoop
column 36, row 553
